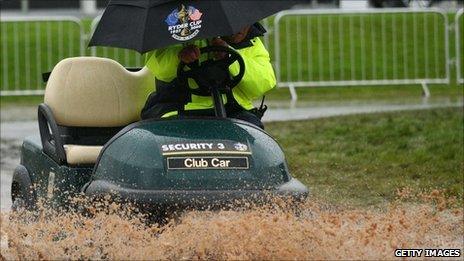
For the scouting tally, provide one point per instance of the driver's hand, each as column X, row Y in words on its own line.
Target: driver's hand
column 219, row 42
column 189, row 54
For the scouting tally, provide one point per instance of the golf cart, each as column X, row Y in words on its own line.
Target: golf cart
column 91, row 141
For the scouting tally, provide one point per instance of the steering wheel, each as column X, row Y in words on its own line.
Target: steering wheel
column 213, row 73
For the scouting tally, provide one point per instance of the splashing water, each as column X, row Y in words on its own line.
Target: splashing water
column 312, row 230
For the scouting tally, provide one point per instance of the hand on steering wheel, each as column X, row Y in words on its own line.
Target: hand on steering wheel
column 189, row 54
column 219, row 42
column 210, row 73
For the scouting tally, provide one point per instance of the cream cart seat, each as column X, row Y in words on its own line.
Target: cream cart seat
column 87, row 101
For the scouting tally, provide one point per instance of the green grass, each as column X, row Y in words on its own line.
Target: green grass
column 7, row 101
column 384, row 58
column 367, row 93
column 361, row 160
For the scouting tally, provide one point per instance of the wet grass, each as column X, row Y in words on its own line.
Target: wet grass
column 7, row 101
column 361, row 160
column 386, row 93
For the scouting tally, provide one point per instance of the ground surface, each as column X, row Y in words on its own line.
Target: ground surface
column 406, row 165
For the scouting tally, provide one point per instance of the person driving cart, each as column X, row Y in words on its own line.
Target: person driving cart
column 171, row 94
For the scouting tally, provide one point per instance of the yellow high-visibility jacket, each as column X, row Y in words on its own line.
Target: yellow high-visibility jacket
column 258, row 79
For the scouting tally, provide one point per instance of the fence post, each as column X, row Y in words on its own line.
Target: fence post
column 24, row 6
column 425, row 90
column 293, row 93
column 88, row 7
column 457, row 29
column 447, row 48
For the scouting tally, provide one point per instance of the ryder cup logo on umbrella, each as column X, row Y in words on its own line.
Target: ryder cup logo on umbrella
column 184, row 24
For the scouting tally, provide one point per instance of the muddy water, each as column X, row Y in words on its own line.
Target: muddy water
column 315, row 231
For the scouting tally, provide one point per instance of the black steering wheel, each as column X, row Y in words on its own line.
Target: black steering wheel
column 212, row 73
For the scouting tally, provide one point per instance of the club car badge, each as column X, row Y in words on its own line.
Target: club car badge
column 240, row 147
column 184, row 24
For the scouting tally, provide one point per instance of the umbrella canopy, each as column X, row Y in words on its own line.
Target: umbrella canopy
column 144, row 25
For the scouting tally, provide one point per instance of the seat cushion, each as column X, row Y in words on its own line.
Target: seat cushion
column 81, row 155
column 96, row 92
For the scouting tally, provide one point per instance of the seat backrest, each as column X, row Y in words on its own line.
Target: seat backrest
column 96, row 92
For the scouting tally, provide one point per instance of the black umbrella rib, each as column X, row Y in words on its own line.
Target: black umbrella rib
column 144, row 35
column 227, row 17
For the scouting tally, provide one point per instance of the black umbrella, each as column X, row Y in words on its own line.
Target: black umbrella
column 144, row 25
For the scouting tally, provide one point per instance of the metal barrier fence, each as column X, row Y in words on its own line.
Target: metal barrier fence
column 33, row 46
column 310, row 48
column 459, row 32
column 373, row 47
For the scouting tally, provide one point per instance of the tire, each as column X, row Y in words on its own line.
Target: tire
column 18, row 205
column 22, row 192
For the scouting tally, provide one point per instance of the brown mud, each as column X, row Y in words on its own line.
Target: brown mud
column 312, row 230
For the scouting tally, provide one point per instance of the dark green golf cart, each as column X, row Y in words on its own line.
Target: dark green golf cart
column 91, row 141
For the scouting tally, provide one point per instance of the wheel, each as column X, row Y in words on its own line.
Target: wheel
column 21, row 200
column 22, row 192
column 18, row 204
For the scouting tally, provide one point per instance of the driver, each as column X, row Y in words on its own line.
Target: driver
column 170, row 95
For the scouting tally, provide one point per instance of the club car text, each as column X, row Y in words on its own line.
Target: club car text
column 207, row 163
